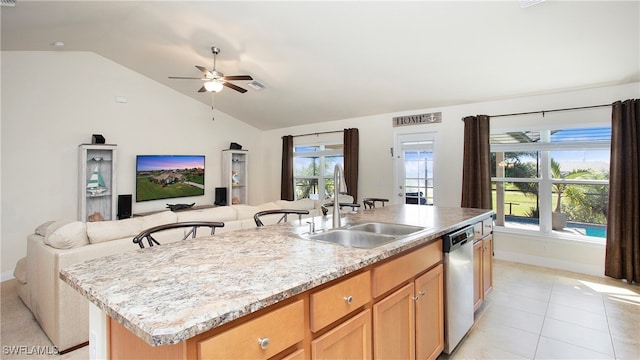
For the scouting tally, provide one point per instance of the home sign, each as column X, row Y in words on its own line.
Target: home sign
column 429, row 118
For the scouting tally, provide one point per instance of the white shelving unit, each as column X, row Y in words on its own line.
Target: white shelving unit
column 235, row 175
column 97, row 182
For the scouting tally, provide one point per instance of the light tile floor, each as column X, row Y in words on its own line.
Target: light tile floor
column 539, row 313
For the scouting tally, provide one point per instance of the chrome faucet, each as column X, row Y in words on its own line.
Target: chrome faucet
column 338, row 186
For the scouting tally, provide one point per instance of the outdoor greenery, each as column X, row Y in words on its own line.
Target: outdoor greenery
column 307, row 172
column 581, row 202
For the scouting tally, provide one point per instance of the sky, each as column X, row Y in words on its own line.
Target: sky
column 169, row 162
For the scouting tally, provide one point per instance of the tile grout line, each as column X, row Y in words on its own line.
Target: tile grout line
column 546, row 311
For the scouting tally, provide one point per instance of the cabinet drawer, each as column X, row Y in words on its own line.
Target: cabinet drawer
column 477, row 231
column 487, row 226
column 283, row 328
column 338, row 300
column 395, row 272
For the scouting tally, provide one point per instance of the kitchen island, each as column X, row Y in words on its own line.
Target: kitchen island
column 176, row 296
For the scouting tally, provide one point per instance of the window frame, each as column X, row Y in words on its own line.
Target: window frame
column 545, row 179
column 321, row 155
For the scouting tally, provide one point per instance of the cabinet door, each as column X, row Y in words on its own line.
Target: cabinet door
column 487, row 264
column 429, row 314
column 349, row 340
column 296, row 355
column 394, row 325
column 477, row 275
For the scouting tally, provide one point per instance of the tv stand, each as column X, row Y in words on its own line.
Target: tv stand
column 196, row 207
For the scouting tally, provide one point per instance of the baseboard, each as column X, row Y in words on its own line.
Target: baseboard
column 6, row 276
column 549, row 263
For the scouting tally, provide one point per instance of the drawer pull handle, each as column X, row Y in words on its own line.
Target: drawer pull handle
column 415, row 298
column 348, row 299
column 264, row 343
column 422, row 292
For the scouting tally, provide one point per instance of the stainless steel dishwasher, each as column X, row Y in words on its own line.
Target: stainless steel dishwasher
column 458, row 276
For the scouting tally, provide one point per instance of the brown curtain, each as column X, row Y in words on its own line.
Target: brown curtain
column 622, row 259
column 351, row 153
column 286, row 179
column 476, row 177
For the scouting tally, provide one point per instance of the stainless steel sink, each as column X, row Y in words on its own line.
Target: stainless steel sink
column 351, row 238
column 387, row 228
column 367, row 235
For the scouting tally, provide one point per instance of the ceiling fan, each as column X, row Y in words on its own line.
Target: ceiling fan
column 215, row 80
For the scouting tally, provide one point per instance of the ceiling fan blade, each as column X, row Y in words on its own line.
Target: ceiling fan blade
column 202, row 89
column 238, row 77
column 234, row 87
column 205, row 71
column 182, row 77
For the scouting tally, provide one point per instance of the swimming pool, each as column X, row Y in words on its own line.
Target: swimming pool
column 595, row 230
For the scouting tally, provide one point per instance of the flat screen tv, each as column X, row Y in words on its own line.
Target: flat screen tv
column 169, row 176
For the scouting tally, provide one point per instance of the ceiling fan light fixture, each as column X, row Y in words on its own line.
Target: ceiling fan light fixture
column 213, row 86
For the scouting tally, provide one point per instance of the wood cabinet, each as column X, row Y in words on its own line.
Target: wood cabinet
column 235, row 176
column 430, row 313
column 487, row 264
column 482, row 261
column 477, row 274
column 260, row 338
column 394, row 325
column 389, row 310
column 97, row 182
column 349, row 340
column 331, row 304
column 409, row 323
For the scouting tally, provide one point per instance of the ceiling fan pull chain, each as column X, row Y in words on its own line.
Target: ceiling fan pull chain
column 213, row 95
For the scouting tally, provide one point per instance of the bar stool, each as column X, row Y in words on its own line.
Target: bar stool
column 371, row 202
column 284, row 213
column 148, row 233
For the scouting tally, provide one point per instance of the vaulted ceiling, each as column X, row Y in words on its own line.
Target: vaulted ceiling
column 322, row 61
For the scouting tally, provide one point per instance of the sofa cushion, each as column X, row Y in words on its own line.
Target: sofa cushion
column 161, row 218
column 222, row 213
column 20, row 271
column 49, row 227
column 102, row 231
column 245, row 211
column 268, row 206
column 42, row 228
column 302, row 204
column 68, row 236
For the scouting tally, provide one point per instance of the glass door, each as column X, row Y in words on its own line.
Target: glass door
column 415, row 168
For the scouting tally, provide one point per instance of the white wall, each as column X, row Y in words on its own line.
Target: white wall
column 54, row 101
column 376, row 173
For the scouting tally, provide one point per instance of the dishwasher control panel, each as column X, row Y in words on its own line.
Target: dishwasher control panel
column 456, row 239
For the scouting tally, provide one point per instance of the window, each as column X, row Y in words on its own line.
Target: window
column 313, row 170
column 552, row 180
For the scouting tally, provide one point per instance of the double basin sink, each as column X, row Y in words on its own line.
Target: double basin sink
column 367, row 235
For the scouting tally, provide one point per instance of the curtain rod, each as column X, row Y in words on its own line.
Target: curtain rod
column 318, row 133
column 548, row 111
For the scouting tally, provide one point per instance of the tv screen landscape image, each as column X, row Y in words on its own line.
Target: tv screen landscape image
column 169, row 176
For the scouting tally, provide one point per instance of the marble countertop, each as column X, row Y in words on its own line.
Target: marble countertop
column 170, row 293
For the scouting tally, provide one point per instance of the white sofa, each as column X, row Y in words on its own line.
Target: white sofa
column 62, row 312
